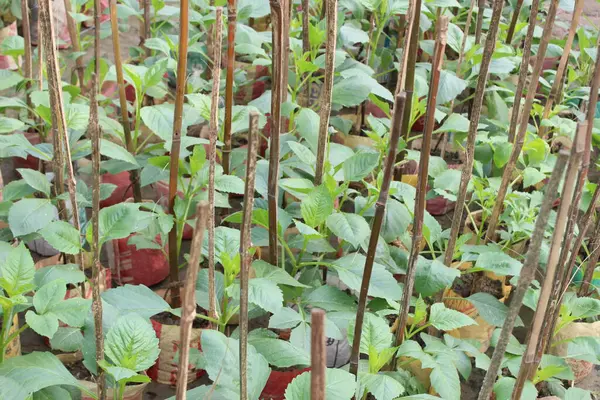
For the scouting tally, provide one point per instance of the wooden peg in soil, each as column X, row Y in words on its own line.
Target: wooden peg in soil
column 231, row 28
column 114, row 23
column 212, row 155
column 176, row 147
column 94, row 134
column 467, row 170
column 188, row 309
column 388, row 167
column 246, row 258
column 318, row 355
column 544, row 308
column 74, row 37
column 331, row 11
column 276, row 101
column 526, row 277
column 524, row 122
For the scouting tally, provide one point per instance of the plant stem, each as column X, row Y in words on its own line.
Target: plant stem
column 188, row 309
column 479, row 26
column 592, row 261
column 134, row 174
column 513, row 21
column 212, row 155
column 73, row 35
column 524, row 122
column 401, row 100
column 276, row 100
column 514, row 118
column 525, row 278
column 467, row 170
column 246, row 258
column 331, row 11
column 6, row 324
column 231, row 28
column 318, row 354
column 176, row 147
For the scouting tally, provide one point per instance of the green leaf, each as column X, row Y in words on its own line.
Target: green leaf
column 298, row 187
column 158, row 44
column 36, row 180
column 350, row 269
column 67, row 339
column 49, row 295
column 330, row 298
column 10, row 389
column 574, row 393
column 9, row 125
column 502, row 153
column 446, row 319
column 585, row 348
column 317, row 206
column 265, row 294
column 376, row 333
column 584, row 307
column 450, row 87
column 274, row 274
column 69, row 273
column 396, row 220
column 131, row 343
column 352, row 228
column 305, row 154
column 307, row 125
column 45, row 324
column 433, row 276
column 9, row 79
column 285, row 318
column 351, row 35
column 117, row 222
column 381, row 386
column 532, row 176
column 136, row 299
column 445, row 381
column 360, row 165
column 72, row 311
column 30, row 215
column 503, row 389
column 116, row 152
column 490, row 308
column 454, row 123
column 280, row 353
column 62, row 236
column 339, row 385
column 498, row 263
column 229, row 184
column 17, row 271
column 350, row 92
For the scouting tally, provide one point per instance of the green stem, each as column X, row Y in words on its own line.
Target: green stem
column 6, row 324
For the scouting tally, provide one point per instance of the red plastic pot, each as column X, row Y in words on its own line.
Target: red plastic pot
column 277, row 383
column 137, row 267
column 122, row 192
column 30, row 162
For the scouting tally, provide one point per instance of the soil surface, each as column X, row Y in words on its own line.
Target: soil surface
column 468, row 284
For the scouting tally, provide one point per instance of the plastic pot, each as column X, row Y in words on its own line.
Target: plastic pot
column 132, row 392
column 277, row 383
column 122, row 192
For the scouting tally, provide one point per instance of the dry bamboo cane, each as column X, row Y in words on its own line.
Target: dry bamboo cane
column 59, row 123
column 525, row 278
column 592, row 261
column 212, row 155
column 134, row 174
column 146, row 28
column 514, row 118
column 306, row 42
column 72, row 28
column 97, row 12
column 524, row 115
column 467, row 170
column 564, row 60
column 188, row 309
column 419, row 211
column 176, row 147
column 513, row 21
column 27, row 60
column 530, row 360
column 286, row 8
column 94, row 129
column 40, row 56
column 276, row 97
column 401, row 100
column 318, row 354
column 331, row 11
column 246, row 258
column 479, row 26
column 231, row 28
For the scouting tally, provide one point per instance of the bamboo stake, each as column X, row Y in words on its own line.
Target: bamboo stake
column 479, row 26
column 419, row 211
column 246, row 258
column 231, row 28
column 94, row 128
column 212, row 155
column 72, row 28
column 525, row 278
column 188, row 310
column 134, row 174
column 318, row 354
column 146, row 28
column 286, row 7
column 176, row 147
column 467, row 170
column 97, row 12
column 530, row 360
column 331, row 11
column 401, row 100
column 306, row 42
column 276, row 100
column 514, row 117
column 592, row 261
column 564, row 60
column 513, row 21
column 520, row 139
column 27, row 60
column 40, row 56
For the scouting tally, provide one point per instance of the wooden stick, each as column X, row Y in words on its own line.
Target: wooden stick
column 526, row 277
column 94, row 129
column 146, row 28
column 306, row 42
column 176, row 147
column 514, row 20
column 134, row 174
column 331, row 10
column 564, row 60
column 467, row 170
column 318, row 354
column 72, row 28
column 97, row 12
column 592, row 261
column 479, row 26
column 276, row 100
column 530, row 360
column 231, row 28
column 212, row 155
column 401, row 100
column 514, row 118
column 188, row 310
column 27, row 60
column 286, row 8
column 246, row 258
column 520, row 139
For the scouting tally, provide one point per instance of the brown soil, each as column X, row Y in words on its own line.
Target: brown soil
column 166, row 318
column 478, row 282
column 79, row 371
